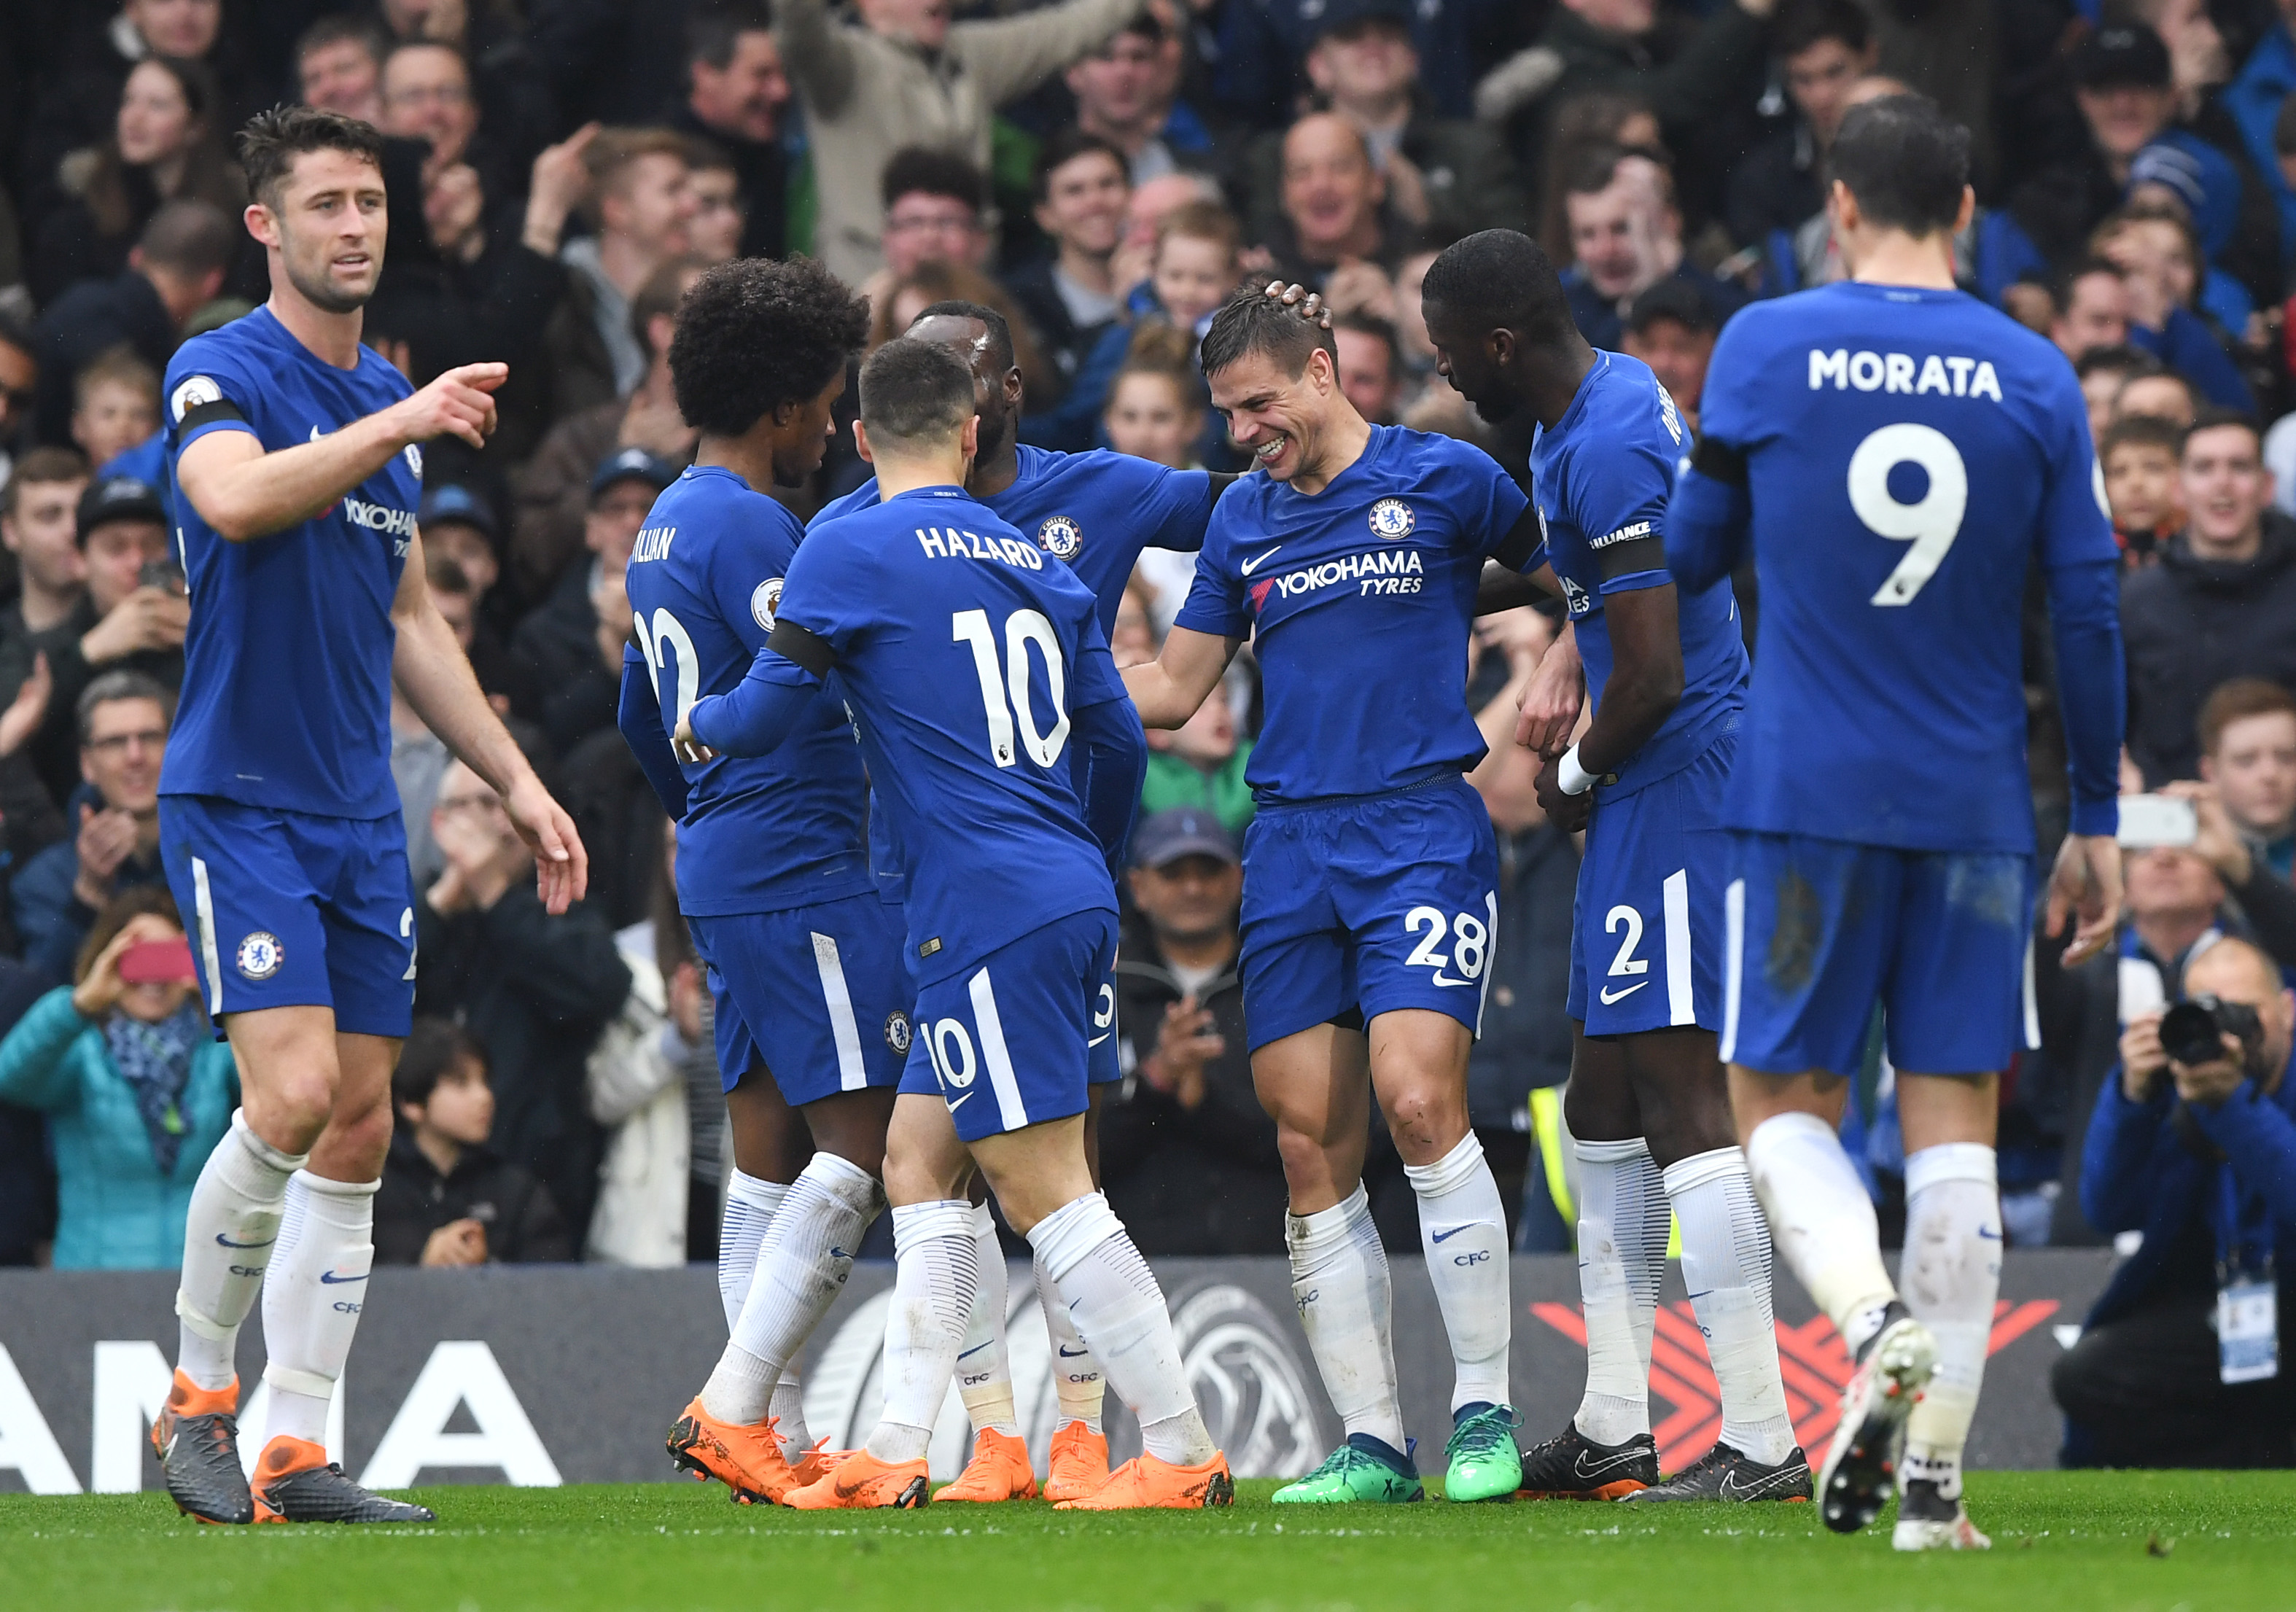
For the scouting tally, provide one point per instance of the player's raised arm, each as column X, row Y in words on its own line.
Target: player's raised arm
column 435, row 675
column 1169, row 688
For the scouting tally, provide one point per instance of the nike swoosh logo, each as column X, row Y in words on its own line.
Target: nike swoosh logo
column 1444, row 980
column 1609, row 996
column 1097, row 1040
column 976, row 1348
column 227, row 1242
column 1253, row 564
column 1988, row 1236
column 958, row 1102
column 331, row 1279
column 314, row 433
column 1453, row 1232
column 1069, row 1353
column 837, row 1253
column 1604, row 1464
column 1694, row 1297
column 1731, row 1489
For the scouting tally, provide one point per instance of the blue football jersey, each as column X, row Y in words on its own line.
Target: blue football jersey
column 286, row 699
column 1602, row 477
column 1095, row 511
column 1909, row 455
column 760, row 834
column 962, row 650
column 1359, row 601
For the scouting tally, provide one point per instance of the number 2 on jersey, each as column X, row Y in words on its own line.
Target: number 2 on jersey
column 661, row 638
column 1931, row 522
column 1021, row 628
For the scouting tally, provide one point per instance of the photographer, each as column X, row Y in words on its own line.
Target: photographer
column 2192, row 1142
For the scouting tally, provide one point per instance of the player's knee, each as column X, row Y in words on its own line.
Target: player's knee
column 1307, row 1159
column 291, row 1109
column 1426, row 1118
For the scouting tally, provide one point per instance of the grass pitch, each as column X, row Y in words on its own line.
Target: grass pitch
column 2092, row 1540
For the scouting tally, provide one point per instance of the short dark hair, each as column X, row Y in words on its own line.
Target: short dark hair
column 713, row 33
column 190, row 238
column 999, row 329
column 920, row 170
column 1250, row 322
column 271, row 141
column 2214, row 419
column 2238, row 701
column 342, row 30
column 433, row 1046
column 1378, row 330
column 2141, row 431
column 1500, row 278
column 755, row 335
column 48, row 466
column 1803, row 23
column 2129, row 362
column 1065, row 148
column 1904, row 161
column 2060, row 285
column 659, row 294
column 913, row 391
column 115, row 686
column 1589, row 170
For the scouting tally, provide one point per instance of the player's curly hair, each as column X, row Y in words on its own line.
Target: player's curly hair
column 754, row 334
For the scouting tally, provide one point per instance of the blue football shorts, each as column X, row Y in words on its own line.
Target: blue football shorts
column 1008, row 1041
column 285, row 909
column 1818, row 930
column 1371, row 904
column 818, row 996
column 1646, row 936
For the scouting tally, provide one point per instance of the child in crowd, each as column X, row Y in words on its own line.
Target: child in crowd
column 446, row 1199
column 115, row 406
column 2138, row 456
column 1200, row 764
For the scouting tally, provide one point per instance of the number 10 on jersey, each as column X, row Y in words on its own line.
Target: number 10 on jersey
column 1022, row 629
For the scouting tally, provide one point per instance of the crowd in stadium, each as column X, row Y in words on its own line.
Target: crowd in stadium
column 1106, row 171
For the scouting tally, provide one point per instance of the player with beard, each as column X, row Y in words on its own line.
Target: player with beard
column 1648, row 1106
column 297, row 471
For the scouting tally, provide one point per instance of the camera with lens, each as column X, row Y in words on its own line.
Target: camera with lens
column 2192, row 1032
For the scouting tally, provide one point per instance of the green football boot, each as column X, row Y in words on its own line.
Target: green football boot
column 1484, row 1462
column 1354, row 1474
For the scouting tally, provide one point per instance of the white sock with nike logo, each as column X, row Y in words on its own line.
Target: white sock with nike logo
column 1622, row 1225
column 1462, row 1231
column 936, row 1267
column 1340, row 1285
column 1952, row 1274
column 1726, row 1265
column 313, row 1298
column 1075, row 1375
column 231, row 1231
column 806, row 1257
column 1822, row 1222
column 984, row 1365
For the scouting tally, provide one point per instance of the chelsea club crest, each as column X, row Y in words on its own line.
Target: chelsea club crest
column 1392, row 518
column 1061, row 537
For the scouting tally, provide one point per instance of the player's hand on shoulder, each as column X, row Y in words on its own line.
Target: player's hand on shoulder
column 458, row 403
column 1569, row 813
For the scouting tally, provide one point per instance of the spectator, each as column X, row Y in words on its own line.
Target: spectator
column 553, row 488
column 458, row 524
column 1070, row 298
column 164, row 146
column 2090, row 300
column 1671, row 327
column 736, row 95
column 1447, row 173
column 124, row 718
column 339, row 68
column 1371, row 366
column 2102, row 371
column 1581, row 124
column 1333, row 204
column 1127, row 94
column 2160, row 259
column 1625, row 236
column 2162, row 393
column 2221, row 604
column 640, row 206
column 1199, row 767
column 39, row 512
column 907, row 76
column 2200, row 1158
column 2255, row 99
column 1262, row 49
column 2248, row 751
column 447, row 1199
column 1822, row 47
column 714, row 233
column 427, row 96
column 20, row 372
column 2139, row 457
column 1156, row 407
column 137, row 1088
column 1151, row 203
column 934, row 208
column 532, row 990
column 115, row 406
column 1187, row 1154
column 177, row 266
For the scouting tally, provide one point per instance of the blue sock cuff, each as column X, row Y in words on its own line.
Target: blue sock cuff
column 1385, row 1452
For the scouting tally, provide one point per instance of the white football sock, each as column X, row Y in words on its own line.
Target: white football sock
column 1623, row 1228
column 313, row 1296
column 984, row 1366
column 750, row 1205
column 1340, row 1284
column 1726, row 1264
column 230, row 1234
column 806, row 1257
column 1952, row 1269
column 1463, row 1233
column 936, row 1265
column 786, row 1408
column 1076, row 1374
column 1822, row 1221
column 1117, row 1307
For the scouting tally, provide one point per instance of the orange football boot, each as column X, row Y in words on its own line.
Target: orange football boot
column 1078, row 1465
column 816, row 1463
column 862, row 1482
column 748, row 1459
column 999, row 1470
column 1145, row 1483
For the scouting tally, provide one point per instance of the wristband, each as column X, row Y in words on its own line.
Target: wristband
column 1569, row 776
